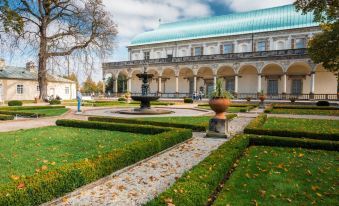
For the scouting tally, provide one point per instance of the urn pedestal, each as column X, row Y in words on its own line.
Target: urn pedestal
column 218, row 125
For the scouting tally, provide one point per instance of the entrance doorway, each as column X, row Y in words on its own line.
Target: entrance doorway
column 297, row 86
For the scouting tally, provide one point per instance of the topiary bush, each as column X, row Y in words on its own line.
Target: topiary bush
column 6, row 117
column 15, row 103
column 323, row 103
column 188, row 100
column 54, row 102
column 122, row 99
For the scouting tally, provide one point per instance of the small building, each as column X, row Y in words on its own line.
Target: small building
column 251, row 52
column 21, row 83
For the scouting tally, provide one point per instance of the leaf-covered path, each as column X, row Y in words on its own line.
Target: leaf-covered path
column 139, row 183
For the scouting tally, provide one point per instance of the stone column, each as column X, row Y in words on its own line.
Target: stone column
column 115, row 88
column 103, row 86
column 312, row 82
column 195, row 83
column 259, row 83
column 176, row 84
column 129, row 84
column 236, row 82
column 215, row 82
column 284, row 83
column 159, row 85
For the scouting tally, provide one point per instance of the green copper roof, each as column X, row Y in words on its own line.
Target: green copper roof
column 263, row 20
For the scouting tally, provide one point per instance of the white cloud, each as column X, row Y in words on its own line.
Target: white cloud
column 136, row 16
column 247, row 5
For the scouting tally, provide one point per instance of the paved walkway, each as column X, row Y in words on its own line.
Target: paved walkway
column 15, row 125
column 140, row 183
column 304, row 116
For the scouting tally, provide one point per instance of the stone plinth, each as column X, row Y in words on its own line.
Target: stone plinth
column 218, row 128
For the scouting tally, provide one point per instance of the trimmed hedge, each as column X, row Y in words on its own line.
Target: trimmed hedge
column 30, row 108
column 112, row 126
column 54, row 102
column 294, row 142
column 279, row 106
column 200, row 128
column 323, row 103
column 195, row 186
column 45, row 186
column 21, row 113
column 6, row 117
column 255, row 127
column 14, row 103
column 188, row 100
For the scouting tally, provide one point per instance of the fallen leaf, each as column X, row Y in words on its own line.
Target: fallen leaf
column 21, row 186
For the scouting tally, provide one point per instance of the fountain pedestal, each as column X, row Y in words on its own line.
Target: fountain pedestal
column 145, row 99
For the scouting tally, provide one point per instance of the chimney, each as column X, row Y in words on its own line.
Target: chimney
column 30, row 66
column 2, row 63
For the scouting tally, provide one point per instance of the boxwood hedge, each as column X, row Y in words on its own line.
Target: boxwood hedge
column 256, row 127
column 6, row 117
column 20, row 113
column 149, row 122
column 197, row 186
column 45, row 186
column 30, row 108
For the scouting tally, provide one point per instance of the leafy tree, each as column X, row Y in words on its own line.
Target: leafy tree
column 59, row 28
column 324, row 47
column 109, row 84
column 100, row 86
column 89, row 86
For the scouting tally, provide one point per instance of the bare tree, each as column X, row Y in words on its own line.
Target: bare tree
column 59, row 29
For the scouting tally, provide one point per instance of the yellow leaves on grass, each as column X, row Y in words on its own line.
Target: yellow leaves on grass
column 15, row 177
column 169, row 202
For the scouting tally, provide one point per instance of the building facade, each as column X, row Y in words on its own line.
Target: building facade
column 21, row 83
column 252, row 52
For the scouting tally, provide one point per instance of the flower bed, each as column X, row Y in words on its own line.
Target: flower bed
column 201, row 185
column 50, row 183
column 299, row 128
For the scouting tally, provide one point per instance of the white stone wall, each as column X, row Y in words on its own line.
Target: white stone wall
column 9, row 90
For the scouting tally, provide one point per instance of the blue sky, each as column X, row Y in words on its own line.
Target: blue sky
column 136, row 16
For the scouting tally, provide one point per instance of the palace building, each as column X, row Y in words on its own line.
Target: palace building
column 255, row 51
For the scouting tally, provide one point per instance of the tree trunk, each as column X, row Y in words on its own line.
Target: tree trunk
column 42, row 70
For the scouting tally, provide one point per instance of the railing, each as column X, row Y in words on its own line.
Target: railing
column 214, row 57
column 333, row 97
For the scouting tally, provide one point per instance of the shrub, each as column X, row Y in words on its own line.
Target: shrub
column 140, row 129
column 188, row 100
column 231, row 116
column 30, row 108
column 293, row 99
column 54, row 102
column 255, row 127
column 200, row 128
column 248, row 99
column 15, row 103
column 243, row 110
column 6, row 117
column 20, row 113
column 294, row 142
column 122, row 99
column 323, row 103
column 196, row 186
column 44, row 186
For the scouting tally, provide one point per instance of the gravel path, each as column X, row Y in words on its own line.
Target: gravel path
column 140, row 183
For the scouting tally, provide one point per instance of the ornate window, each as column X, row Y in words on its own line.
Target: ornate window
column 261, row 46
column 146, row 55
column 280, row 45
column 228, row 48
column 197, row 51
column 300, row 43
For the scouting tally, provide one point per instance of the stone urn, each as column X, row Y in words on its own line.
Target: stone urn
column 219, row 106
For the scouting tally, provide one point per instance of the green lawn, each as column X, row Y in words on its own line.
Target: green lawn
column 48, row 112
column 26, row 152
column 282, row 176
column 305, row 111
column 320, row 126
column 183, row 120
